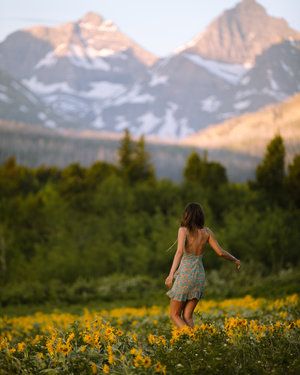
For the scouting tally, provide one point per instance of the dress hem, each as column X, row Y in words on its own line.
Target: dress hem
column 185, row 297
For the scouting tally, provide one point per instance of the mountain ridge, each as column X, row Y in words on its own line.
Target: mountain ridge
column 240, row 34
column 92, row 76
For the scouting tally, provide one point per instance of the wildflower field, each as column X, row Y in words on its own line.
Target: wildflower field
column 234, row 336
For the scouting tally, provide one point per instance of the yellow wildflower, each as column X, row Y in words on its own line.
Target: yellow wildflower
column 133, row 351
column 21, row 346
column 160, row 368
column 151, row 339
column 40, row 355
column 111, row 357
column 147, row 361
column 134, row 337
column 138, row 360
column 36, row 339
column 71, row 337
column 94, row 368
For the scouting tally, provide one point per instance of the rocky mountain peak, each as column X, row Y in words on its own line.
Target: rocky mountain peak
column 92, row 18
column 240, row 34
column 250, row 4
column 95, row 22
column 249, row 7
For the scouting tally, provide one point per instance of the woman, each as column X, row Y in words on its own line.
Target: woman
column 189, row 281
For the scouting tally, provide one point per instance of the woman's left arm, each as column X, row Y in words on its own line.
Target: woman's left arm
column 179, row 251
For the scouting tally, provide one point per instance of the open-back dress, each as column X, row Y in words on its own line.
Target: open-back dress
column 189, row 277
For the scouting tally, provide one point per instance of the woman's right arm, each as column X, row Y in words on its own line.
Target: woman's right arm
column 179, row 252
column 177, row 256
column 219, row 250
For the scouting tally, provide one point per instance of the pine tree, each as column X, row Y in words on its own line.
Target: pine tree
column 270, row 172
column 200, row 170
column 134, row 160
column 293, row 181
column 194, row 168
column 142, row 169
column 125, row 151
column 215, row 175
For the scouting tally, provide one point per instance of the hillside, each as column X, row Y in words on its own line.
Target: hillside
column 251, row 132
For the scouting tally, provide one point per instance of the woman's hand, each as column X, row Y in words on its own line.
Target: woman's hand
column 238, row 264
column 169, row 281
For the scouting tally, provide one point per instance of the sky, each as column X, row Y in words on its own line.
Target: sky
column 160, row 26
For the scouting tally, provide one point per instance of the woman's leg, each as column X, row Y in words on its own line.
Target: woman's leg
column 183, row 306
column 188, row 311
column 176, row 308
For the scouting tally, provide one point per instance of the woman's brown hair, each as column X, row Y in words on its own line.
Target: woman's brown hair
column 193, row 217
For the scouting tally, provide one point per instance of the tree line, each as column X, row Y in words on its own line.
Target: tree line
column 65, row 223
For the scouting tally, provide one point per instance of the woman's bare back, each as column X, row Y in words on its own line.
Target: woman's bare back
column 194, row 243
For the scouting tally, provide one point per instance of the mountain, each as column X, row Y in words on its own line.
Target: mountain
column 92, row 76
column 76, row 66
column 240, row 34
column 18, row 103
column 251, row 132
column 186, row 93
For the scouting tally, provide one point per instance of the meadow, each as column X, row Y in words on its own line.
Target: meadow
column 232, row 336
column 83, row 261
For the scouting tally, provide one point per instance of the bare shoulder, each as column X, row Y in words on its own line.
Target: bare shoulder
column 182, row 232
column 208, row 231
column 182, row 229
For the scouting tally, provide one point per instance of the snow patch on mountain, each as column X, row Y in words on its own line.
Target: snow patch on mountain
column 148, row 122
column 122, row 123
column 98, row 122
column 42, row 116
column 50, row 124
column 245, row 93
column 103, row 90
column 245, row 80
column 134, row 96
column 287, row 69
column 210, row 104
column 68, row 106
column 99, row 90
column 46, row 121
column 16, row 85
column 51, row 57
column 158, row 80
column 39, row 87
column 169, row 126
column 92, row 52
column 80, row 57
column 273, row 83
column 4, row 98
column 242, row 104
column 49, row 60
column 107, row 26
column 279, row 96
column 231, row 73
column 185, row 129
column 87, row 57
column 23, row 108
